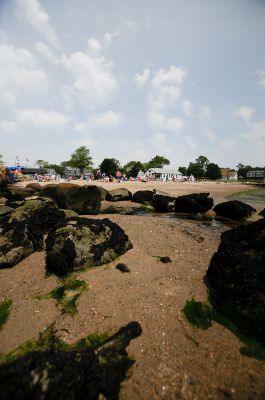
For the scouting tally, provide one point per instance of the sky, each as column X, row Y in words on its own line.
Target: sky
column 130, row 79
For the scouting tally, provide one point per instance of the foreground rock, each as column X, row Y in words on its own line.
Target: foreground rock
column 82, row 199
column 143, row 196
column 194, row 203
column 14, row 193
column 35, row 186
column 120, row 194
column 262, row 213
column 109, row 207
column 51, row 369
column 234, row 209
column 162, row 202
column 237, row 276
column 22, row 230
column 79, row 243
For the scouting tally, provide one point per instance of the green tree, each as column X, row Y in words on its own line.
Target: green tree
column 157, row 162
column 213, row 171
column 132, row 168
column 1, row 159
column 81, row 159
column 242, row 170
column 59, row 169
column 196, row 170
column 109, row 166
column 183, row 170
column 42, row 163
column 202, row 162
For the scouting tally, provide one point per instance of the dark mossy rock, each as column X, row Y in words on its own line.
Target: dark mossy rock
column 237, row 276
column 143, row 196
column 122, row 267
column 79, row 243
column 5, row 210
column 82, row 199
column 15, row 203
column 35, row 186
column 234, row 209
column 22, row 230
column 108, row 207
column 13, row 192
column 103, row 192
column 162, row 202
column 51, row 369
column 194, row 203
column 262, row 213
column 120, row 194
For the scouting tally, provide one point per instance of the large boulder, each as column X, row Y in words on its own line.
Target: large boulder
column 13, row 192
column 194, row 203
column 162, row 202
column 120, row 194
column 109, row 207
column 79, row 243
column 35, row 186
column 237, row 276
column 234, row 209
column 22, row 230
column 143, row 196
column 81, row 199
column 103, row 192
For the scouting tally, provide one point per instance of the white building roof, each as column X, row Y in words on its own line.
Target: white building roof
column 164, row 171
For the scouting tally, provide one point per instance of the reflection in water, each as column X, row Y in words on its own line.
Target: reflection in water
column 203, row 221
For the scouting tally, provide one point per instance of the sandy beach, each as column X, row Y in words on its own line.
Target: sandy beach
column 173, row 359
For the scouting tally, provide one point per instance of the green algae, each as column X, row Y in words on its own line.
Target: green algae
column 67, row 295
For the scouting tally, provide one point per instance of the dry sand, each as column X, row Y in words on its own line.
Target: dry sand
column 173, row 359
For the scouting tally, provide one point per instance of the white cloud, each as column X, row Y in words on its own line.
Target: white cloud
column 7, row 126
column 93, row 79
column 94, row 46
column 81, row 128
column 256, row 132
column 261, row 76
column 175, row 125
column 187, row 108
column 156, row 120
column 106, row 120
column 32, row 13
column 166, row 88
column 41, row 118
column 141, row 79
column 19, row 73
column 245, row 113
column 205, row 113
column 210, row 135
column 46, row 52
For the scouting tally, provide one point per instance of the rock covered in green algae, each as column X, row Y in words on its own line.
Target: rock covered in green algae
column 50, row 369
column 237, row 276
column 78, row 243
column 22, row 230
column 82, row 199
column 12, row 192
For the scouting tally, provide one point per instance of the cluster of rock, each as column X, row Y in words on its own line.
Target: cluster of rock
column 72, row 242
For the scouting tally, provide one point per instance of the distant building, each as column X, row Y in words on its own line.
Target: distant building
column 256, row 174
column 228, row 174
column 164, row 174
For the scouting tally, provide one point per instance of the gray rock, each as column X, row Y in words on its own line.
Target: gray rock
column 22, row 230
column 81, row 199
column 237, row 276
column 143, row 196
column 79, row 243
column 120, row 194
column 194, row 203
column 162, row 202
column 5, row 210
column 234, row 209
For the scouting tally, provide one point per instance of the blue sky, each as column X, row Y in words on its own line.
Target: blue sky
column 131, row 79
